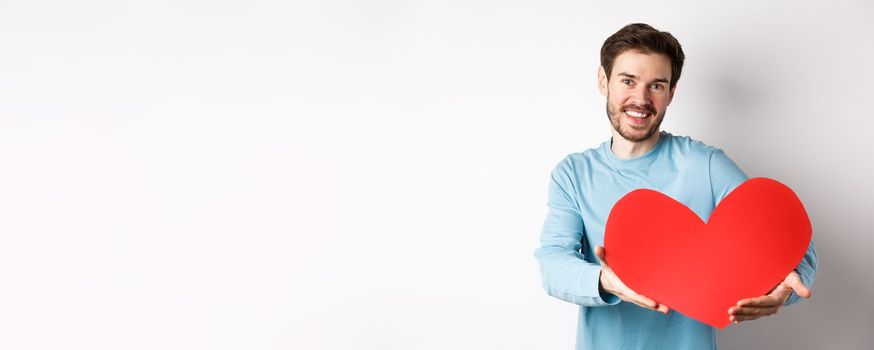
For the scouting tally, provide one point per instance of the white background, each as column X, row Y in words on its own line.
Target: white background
column 372, row 174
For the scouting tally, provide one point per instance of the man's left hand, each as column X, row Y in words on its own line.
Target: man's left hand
column 753, row 308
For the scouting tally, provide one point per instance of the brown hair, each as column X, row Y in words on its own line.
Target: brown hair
column 644, row 38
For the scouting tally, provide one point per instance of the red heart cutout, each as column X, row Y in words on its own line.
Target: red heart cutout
column 660, row 248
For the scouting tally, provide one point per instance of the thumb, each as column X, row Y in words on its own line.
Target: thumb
column 601, row 254
column 794, row 281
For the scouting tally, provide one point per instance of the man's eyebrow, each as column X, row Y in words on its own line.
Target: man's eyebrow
column 632, row 76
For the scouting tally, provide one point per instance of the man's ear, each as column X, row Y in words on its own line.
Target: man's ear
column 602, row 80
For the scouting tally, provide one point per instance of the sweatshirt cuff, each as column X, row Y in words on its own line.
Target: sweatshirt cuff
column 605, row 298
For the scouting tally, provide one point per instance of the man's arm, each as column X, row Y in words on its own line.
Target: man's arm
column 565, row 272
column 725, row 176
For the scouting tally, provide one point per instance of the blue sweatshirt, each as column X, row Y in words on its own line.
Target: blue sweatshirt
column 582, row 190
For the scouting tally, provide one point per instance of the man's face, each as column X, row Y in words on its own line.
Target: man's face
column 638, row 93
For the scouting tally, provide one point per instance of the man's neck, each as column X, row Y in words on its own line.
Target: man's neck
column 624, row 149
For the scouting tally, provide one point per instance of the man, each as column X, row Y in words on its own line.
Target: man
column 640, row 67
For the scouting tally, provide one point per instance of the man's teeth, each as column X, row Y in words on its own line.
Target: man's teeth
column 636, row 114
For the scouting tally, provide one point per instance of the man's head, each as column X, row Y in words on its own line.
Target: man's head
column 640, row 67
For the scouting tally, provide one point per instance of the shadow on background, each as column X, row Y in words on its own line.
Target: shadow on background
column 768, row 122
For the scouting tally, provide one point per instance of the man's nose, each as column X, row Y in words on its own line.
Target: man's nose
column 641, row 94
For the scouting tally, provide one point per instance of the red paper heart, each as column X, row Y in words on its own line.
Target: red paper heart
column 661, row 249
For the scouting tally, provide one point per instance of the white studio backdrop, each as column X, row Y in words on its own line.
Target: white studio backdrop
column 372, row 174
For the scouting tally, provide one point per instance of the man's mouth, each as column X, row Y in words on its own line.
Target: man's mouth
column 636, row 114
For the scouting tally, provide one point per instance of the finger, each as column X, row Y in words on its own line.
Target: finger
column 601, row 254
column 768, row 311
column 743, row 302
column 752, row 311
column 766, row 300
column 742, row 311
column 663, row 309
column 630, row 296
column 739, row 319
column 642, row 300
column 793, row 280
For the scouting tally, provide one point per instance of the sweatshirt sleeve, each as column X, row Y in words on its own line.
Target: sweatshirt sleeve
column 725, row 176
column 565, row 272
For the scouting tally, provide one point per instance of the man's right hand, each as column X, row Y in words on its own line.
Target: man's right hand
column 612, row 284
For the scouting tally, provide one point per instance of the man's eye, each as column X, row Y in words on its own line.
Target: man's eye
column 656, row 86
column 626, row 81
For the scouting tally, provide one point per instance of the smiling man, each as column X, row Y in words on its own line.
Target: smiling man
column 640, row 67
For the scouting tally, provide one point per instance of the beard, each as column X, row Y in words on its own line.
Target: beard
column 615, row 115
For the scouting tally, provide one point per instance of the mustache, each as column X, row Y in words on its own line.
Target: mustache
column 647, row 108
